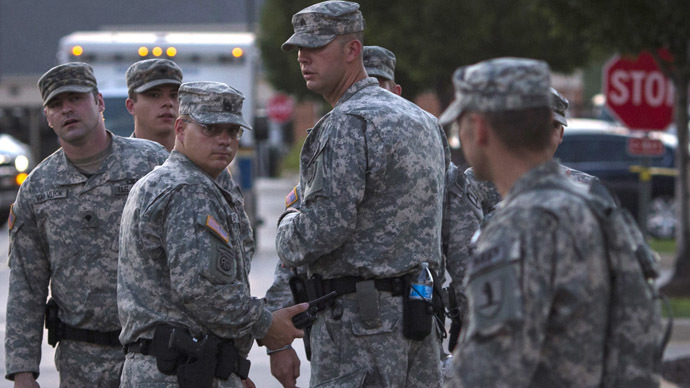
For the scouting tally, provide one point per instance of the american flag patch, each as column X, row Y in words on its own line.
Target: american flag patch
column 291, row 198
column 215, row 227
column 11, row 218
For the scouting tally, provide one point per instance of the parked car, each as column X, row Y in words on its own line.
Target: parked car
column 600, row 148
column 15, row 164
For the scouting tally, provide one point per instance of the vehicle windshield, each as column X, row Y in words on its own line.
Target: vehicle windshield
column 117, row 119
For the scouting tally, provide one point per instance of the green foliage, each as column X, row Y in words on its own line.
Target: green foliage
column 432, row 38
column 282, row 68
column 679, row 306
column 289, row 165
column 626, row 26
column 663, row 246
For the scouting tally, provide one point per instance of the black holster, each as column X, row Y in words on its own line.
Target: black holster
column 53, row 323
column 195, row 361
column 298, row 288
column 455, row 318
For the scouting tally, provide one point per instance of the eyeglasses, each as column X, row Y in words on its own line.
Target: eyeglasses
column 213, row 130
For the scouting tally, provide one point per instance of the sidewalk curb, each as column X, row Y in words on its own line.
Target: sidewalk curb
column 681, row 330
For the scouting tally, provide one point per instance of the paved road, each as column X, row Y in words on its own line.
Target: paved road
column 270, row 204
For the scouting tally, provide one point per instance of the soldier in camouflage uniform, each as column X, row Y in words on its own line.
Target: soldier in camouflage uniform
column 379, row 62
column 485, row 191
column 538, row 282
column 182, row 260
column 64, row 230
column 372, row 176
column 152, row 89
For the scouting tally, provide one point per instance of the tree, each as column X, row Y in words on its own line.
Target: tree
column 631, row 26
column 431, row 39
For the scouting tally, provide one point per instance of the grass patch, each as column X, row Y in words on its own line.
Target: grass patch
column 289, row 165
column 679, row 306
column 663, row 246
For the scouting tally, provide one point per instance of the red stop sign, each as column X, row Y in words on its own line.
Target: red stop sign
column 638, row 93
column 280, row 108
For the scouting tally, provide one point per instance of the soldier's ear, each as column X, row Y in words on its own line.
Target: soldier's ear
column 180, row 126
column 129, row 104
column 353, row 50
column 480, row 127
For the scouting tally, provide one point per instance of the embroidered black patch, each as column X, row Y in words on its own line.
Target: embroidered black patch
column 225, row 262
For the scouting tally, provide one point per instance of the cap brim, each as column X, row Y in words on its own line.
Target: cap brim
column 67, row 89
column 373, row 72
column 560, row 119
column 210, row 118
column 306, row 40
column 451, row 113
column 156, row 82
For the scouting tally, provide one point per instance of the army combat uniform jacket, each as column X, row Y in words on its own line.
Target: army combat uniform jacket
column 372, row 175
column 64, row 229
column 538, row 288
column 462, row 215
column 183, row 261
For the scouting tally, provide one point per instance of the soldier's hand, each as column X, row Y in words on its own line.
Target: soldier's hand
column 285, row 367
column 282, row 331
column 25, row 380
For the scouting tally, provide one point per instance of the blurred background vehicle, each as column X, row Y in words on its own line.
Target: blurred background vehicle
column 600, row 148
column 15, row 164
column 228, row 57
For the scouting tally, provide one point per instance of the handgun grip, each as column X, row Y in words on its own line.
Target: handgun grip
column 303, row 319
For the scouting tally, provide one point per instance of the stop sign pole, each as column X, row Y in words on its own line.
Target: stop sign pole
column 641, row 97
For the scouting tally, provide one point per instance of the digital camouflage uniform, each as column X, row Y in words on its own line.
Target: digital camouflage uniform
column 182, row 255
column 538, row 281
column 462, row 215
column 148, row 73
column 379, row 62
column 538, row 292
column 64, row 233
column 486, row 191
column 372, row 174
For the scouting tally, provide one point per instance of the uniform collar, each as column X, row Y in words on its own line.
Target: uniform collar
column 537, row 176
column 112, row 165
column 356, row 87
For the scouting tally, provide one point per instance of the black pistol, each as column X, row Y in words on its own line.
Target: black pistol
column 307, row 318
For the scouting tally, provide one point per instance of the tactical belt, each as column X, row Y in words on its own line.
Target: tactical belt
column 239, row 365
column 142, row 346
column 348, row 284
column 105, row 338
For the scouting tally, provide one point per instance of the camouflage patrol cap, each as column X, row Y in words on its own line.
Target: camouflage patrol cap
column 143, row 75
column 318, row 24
column 498, row 85
column 211, row 103
column 69, row 77
column 559, row 105
column 379, row 62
